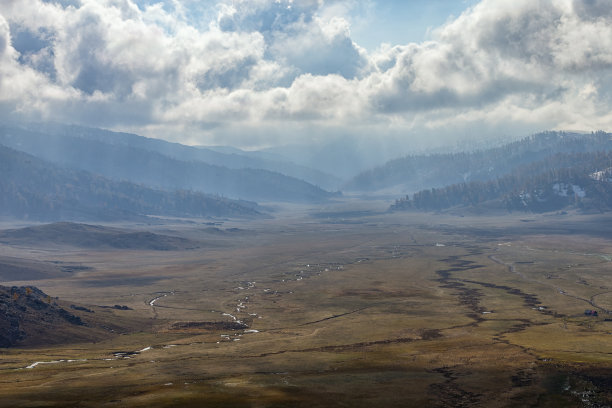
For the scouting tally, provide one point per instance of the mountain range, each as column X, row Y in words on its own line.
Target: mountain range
column 159, row 164
column 416, row 172
column 55, row 172
column 35, row 189
column 579, row 179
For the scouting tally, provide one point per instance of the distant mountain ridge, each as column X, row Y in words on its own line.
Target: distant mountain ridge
column 414, row 173
column 234, row 159
column 341, row 156
column 32, row 188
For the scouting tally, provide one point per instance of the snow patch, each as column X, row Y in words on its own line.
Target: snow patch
column 565, row 190
column 37, row 363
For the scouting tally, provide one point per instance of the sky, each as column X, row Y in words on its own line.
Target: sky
column 401, row 22
column 261, row 73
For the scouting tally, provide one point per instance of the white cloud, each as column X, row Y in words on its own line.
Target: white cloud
column 498, row 57
column 5, row 37
column 286, row 68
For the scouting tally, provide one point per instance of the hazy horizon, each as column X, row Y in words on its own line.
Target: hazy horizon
column 256, row 74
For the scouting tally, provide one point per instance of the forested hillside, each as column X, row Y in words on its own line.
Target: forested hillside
column 418, row 172
column 230, row 158
column 122, row 161
column 575, row 180
column 34, row 189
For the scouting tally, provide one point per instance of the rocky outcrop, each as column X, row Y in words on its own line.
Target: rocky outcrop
column 24, row 309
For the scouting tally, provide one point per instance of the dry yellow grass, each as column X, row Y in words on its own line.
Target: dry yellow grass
column 402, row 310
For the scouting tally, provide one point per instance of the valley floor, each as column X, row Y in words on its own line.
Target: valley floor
column 400, row 309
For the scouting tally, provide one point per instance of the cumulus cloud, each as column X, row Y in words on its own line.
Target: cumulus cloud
column 5, row 37
column 298, row 35
column 521, row 55
column 592, row 9
column 291, row 66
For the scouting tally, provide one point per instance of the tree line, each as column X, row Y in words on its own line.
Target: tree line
column 582, row 180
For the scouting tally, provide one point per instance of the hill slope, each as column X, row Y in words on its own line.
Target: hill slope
column 415, row 173
column 32, row 318
column 92, row 236
column 34, row 189
column 231, row 158
column 576, row 180
column 20, row 269
column 26, row 309
column 136, row 159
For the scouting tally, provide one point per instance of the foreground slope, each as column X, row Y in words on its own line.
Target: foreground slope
column 30, row 317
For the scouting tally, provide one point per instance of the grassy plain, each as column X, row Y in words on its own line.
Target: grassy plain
column 342, row 311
